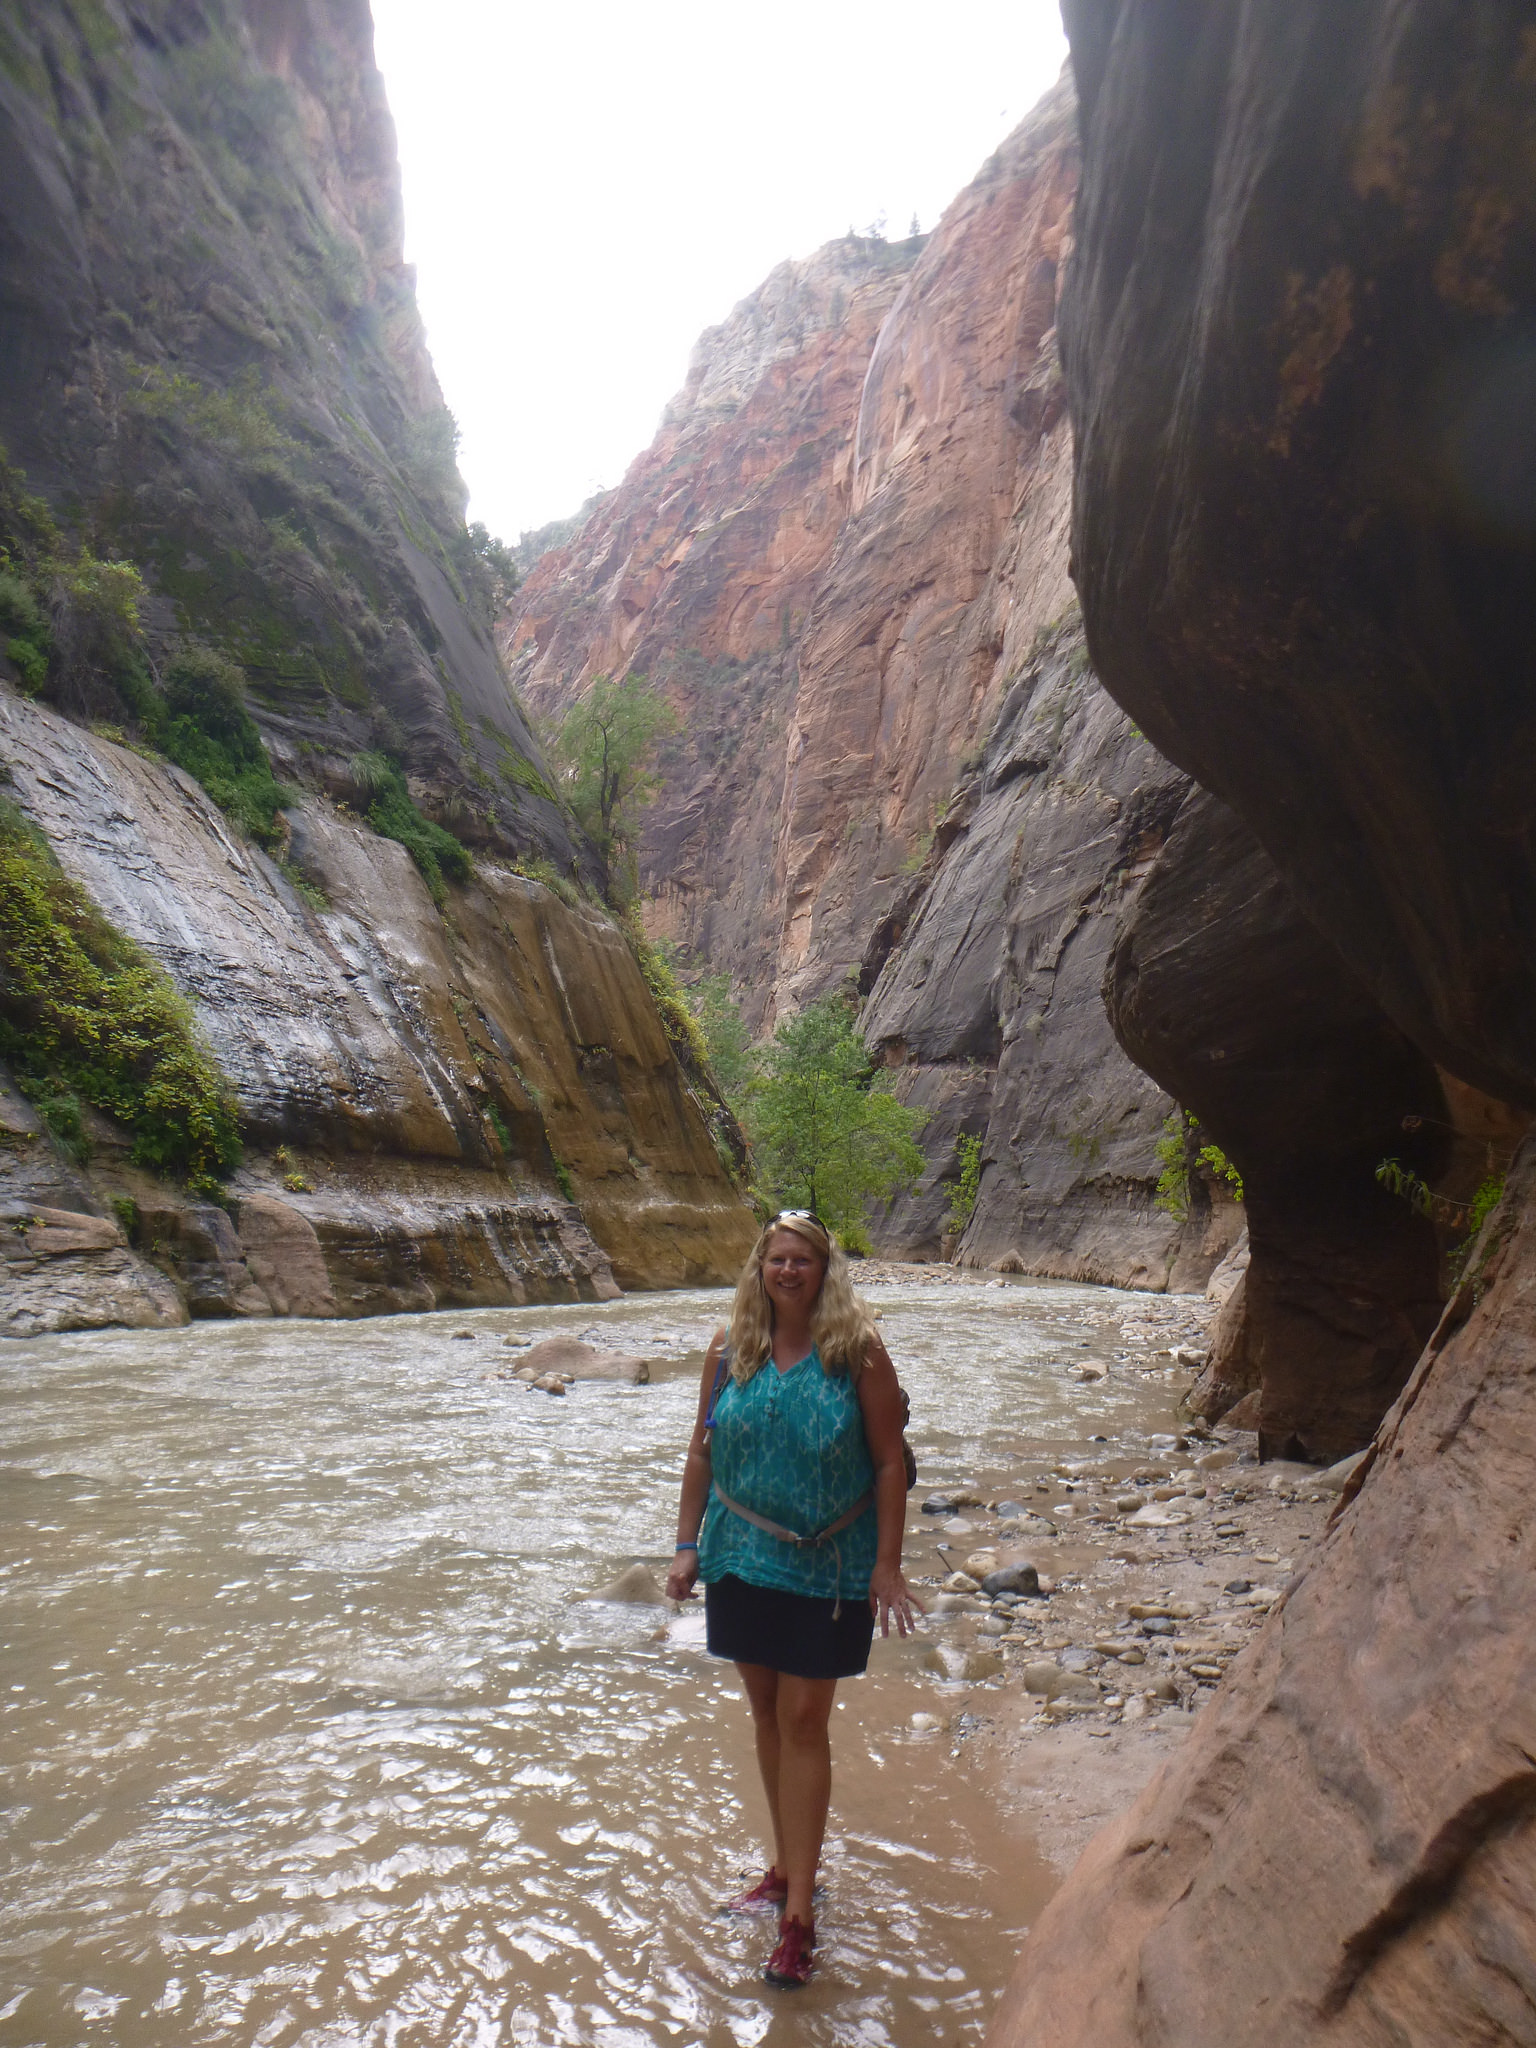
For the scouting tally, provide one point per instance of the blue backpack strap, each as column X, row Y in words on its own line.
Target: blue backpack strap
column 721, row 1370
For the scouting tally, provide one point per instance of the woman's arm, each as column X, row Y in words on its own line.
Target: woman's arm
column 890, row 1597
column 695, row 1493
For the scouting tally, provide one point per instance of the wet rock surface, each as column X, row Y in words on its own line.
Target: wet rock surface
column 408, row 1082
column 987, row 1011
column 570, row 1359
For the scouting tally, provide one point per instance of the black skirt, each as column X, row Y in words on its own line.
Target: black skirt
column 786, row 1631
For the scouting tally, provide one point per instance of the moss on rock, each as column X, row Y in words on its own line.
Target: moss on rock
column 86, row 1015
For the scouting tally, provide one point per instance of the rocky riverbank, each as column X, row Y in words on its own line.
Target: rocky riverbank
column 1155, row 1573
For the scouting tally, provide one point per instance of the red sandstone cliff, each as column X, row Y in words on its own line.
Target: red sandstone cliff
column 701, row 571
column 848, row 531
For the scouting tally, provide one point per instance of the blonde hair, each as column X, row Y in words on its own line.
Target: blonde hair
column 841, row 1324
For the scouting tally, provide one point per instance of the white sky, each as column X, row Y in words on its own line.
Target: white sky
column 589, row 186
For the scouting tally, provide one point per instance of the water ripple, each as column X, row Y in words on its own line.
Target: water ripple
column 310, row 1742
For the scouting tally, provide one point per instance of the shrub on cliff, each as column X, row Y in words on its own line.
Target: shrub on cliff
column 1181, row 1154
column 86, row 1015
column 25, row 633
column 393, row 815
column 826, row 1132
column 69, row 618
column 205, row 728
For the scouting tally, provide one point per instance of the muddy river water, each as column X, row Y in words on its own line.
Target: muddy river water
column 308, row 1738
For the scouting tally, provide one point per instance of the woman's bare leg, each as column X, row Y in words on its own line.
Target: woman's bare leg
column 762, row 1690
column 804, row 1783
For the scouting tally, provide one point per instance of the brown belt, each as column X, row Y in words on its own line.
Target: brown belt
column 788, row 1535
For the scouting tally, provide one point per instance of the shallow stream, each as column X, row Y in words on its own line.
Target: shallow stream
column 309, row 1740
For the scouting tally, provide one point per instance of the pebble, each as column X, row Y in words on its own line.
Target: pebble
column 926, row 1724
column 961, row 1582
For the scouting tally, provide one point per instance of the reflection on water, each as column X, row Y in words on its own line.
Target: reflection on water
column 306, row 1741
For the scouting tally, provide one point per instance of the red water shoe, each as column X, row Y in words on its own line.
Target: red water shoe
column 770, row 1890
column 790, row 1965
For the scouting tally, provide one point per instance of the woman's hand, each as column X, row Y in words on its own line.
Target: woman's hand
column 892, row 1599
column 680, row 1580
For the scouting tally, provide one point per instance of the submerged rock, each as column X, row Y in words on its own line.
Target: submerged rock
column 635, row 1586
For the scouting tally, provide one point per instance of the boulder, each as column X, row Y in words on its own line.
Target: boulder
column 283, row 1256
column 1013, row 1578
column 1050, row 1681
column 66, row 1269
column 1224, row 1281
column 571, row 1360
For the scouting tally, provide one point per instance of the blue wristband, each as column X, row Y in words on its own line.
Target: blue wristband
column 685, row 1546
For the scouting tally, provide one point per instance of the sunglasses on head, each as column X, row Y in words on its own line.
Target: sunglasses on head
column 801, row 1216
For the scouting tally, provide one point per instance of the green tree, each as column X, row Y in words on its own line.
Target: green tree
column 731, row 1058
column 605, row 746
column 827, row 1133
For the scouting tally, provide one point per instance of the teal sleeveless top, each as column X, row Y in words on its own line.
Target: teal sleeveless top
column 791, row 1446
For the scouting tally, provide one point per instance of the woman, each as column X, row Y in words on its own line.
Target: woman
column 797, row 1456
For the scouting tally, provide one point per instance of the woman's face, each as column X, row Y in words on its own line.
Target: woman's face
column 792, row 1272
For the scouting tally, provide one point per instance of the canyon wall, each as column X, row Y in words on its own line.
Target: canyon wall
column 844, row 559
column 442, row 1108
column 701, row 572
column 217, row 403
column 1297, row 339
column 211, row 355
